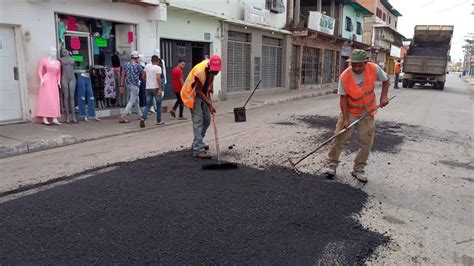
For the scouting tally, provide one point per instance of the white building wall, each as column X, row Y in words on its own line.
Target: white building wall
column 188, row 26
column 233, row 9
column 37, row 21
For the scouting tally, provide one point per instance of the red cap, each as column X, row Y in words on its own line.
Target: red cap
column 215, row 63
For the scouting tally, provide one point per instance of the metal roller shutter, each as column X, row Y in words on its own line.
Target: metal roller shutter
column 238, row 63
column 272, row 49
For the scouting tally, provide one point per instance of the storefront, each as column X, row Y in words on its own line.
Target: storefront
column 95, row 45
column 92, row 31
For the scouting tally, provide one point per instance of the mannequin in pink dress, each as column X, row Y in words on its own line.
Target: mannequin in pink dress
column 48, row 95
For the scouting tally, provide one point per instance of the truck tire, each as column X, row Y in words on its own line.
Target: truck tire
column 411, row 84
column 441, row 85
column 435, row 86
column 405, row 83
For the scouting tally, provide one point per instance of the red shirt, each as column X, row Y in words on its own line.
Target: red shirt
column 176, row 75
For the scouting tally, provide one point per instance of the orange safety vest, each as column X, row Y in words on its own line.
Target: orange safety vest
column 397, row 68
column 188, row 92
column 360, row 99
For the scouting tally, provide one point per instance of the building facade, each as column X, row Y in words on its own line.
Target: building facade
column 247, row 35
column 380, row 32
column 92, row 31
column 324, row 34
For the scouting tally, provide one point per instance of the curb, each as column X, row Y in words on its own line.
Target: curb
column 37, row 145
column 64, row 140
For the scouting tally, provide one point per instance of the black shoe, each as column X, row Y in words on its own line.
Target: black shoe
column 172, row 113
column 206, row 147
column 142, row 123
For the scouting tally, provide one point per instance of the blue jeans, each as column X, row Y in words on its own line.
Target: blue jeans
column 133, row 101
column 201, row 117
column 150, row 95
column 85, row 94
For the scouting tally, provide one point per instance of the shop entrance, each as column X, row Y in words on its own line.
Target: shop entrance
column 10, row 96
column 174, row 50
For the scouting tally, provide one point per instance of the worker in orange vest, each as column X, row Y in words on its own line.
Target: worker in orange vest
column 398, row 69
column 196, row 94
column 357, row 96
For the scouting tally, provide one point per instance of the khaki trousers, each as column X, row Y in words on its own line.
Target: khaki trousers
column 365, row 140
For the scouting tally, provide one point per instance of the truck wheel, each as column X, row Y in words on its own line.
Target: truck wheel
column 404, row 83
column 441, row 85
column 411, row 84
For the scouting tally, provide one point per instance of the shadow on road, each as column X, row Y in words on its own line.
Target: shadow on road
column 165, row 209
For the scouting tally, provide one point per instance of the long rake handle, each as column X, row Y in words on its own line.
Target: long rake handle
column 338, row 134
column 216, row 137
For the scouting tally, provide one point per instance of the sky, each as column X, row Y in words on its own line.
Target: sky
column 437, row 12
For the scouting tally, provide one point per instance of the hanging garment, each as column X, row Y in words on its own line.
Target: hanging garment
column 98, row 82
column 48, row 94
column 109, row 88
column 61, row 31
column 106, row 29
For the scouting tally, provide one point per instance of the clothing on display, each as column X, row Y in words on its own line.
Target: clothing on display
column 68, row 85
column 48, row 104
column 106, row 29
column 61, row 31
column 86, row 96
column 110, row 91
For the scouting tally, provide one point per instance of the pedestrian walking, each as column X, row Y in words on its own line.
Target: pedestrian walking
column 154, row 88
column 357, row 96
column 177, row 76
column 196, row 94
column 130, row 80
column 398, row 69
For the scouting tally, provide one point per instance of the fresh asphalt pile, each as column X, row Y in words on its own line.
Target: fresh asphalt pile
column 165, row 209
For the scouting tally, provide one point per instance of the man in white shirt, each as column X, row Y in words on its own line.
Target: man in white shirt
column 152, row 75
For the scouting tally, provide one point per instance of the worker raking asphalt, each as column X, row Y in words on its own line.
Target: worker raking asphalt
column 165, row 209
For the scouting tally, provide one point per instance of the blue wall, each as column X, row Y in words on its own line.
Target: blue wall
column 349, row 11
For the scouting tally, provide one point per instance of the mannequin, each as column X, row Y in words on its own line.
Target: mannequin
column 68, row 84
column 49, row 71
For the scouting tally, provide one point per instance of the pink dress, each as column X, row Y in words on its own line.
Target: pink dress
column 48, row 94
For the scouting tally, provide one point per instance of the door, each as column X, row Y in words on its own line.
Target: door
column 238, row 63
column 10, row 96
column 328, row 65
column 271, row 62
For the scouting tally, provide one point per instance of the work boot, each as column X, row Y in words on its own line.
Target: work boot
column 202, row 155
column 329, row 171
column 360, row 175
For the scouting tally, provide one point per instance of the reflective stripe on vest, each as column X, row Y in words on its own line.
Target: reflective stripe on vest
column 359, row 99
column 188, row 93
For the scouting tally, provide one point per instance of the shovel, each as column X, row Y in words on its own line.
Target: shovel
column 239, row 112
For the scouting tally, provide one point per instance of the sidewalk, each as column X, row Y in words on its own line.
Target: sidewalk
column 16, row 139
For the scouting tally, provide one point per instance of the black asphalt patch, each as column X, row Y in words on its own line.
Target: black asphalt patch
column 165, row 209
column 388, row 138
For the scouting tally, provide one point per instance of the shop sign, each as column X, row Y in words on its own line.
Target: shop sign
column 395, row 51
column 346, row 51
column 320, row 22
column 256, row 15
column 207, row 36
column 78, row 58
column 100, row 42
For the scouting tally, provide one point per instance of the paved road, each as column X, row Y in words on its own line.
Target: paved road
column 420, row 192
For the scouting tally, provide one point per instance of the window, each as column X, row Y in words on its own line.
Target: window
column 349, row 25
column 328, row 66
column 384, row 18
column 379, row 13
column 359, row 28
column 310, row 66
column 275, row 6
column 389, row 19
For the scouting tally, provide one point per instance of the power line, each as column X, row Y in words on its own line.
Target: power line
column 452, row 7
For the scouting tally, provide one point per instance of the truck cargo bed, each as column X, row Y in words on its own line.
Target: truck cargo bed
column 425, row 65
